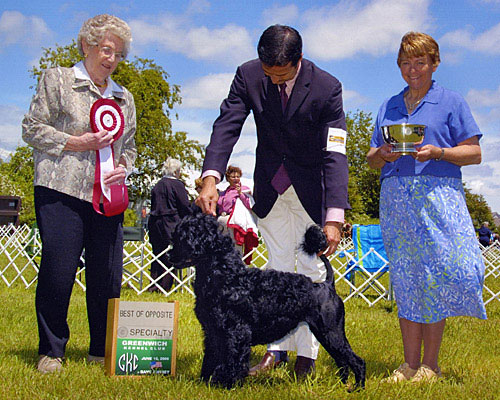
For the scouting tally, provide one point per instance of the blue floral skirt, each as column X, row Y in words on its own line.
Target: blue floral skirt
column 435, row 266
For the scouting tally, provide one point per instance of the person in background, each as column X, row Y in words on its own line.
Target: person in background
column 347, row 230
column 485, row 234
column 228, row 197
column 169, row 203
column 301, row 171
column 435, row 263
column 57, row 126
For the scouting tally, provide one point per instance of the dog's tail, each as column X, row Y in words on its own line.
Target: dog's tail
column 314, row 242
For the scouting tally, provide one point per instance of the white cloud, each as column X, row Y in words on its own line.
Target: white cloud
column 10, row 128
column 487, row 42
column 484, row 98
column 485, row 105
column 354, row 27
column 17, row 29
column 197, row 130
column 353, row 100
column 206, row 92
column 285, row 15
column 230, row 44
column 483, row 178
column 198, row 7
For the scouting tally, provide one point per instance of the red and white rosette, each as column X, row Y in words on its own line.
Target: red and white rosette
column 106, row 115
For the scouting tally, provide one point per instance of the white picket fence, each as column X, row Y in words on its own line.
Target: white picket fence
column 20, row 250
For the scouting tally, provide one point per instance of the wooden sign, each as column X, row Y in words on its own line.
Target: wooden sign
column 141, row 338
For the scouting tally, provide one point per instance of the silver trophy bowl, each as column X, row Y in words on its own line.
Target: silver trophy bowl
column 403, row 137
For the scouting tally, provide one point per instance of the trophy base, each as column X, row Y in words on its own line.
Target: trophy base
column 404, row 148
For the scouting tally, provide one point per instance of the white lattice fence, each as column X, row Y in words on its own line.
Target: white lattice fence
column 20, row 250
column 491, row 256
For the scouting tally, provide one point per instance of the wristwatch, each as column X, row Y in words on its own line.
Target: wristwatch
column 441, row 156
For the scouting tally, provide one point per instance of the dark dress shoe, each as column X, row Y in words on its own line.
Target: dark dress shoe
column 304, row 366
column 266, row 364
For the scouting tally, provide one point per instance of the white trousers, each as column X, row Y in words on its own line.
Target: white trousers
column 283, row 230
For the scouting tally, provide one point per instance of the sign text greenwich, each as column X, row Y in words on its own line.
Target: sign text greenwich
column 141, row 338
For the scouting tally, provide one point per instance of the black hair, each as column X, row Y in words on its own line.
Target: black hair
column 280, row 45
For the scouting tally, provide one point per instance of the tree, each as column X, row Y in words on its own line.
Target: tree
column 154, row 100
column 16, row 179
column 478, row 209
column 364, row 182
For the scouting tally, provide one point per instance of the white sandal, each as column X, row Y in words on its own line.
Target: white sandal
column 427, row 374
column 402, row 374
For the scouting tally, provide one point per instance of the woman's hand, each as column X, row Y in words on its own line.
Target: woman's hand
column 378, row 156
column 89, row 141
column 426, row 153
column 467, row 152
column 115, row 177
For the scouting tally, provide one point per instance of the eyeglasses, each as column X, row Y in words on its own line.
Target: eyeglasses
column 234, row 176
column 108, row 52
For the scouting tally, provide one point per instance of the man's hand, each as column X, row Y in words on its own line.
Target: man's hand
column 333, row 234
column 207, row 199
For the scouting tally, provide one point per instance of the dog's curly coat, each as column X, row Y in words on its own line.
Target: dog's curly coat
column 239, row 307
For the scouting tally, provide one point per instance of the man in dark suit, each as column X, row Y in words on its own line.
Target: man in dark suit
column 301, row 169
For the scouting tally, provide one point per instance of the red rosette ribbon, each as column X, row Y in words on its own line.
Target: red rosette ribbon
column 111, row 200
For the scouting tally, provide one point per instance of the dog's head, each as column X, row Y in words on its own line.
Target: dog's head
column 197, row 237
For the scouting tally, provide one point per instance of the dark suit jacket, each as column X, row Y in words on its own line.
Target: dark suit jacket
column 296, row 138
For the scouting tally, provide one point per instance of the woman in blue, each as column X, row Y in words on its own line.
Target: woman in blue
column 435, row 262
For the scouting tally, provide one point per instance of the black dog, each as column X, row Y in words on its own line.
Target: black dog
column 239, row 307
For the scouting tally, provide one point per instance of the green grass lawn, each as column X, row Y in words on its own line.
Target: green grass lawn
column 470, row 359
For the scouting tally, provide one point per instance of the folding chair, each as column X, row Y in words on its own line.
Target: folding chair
column 368, row 264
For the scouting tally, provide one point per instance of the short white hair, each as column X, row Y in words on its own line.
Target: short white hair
column 171, row 166
column 94, row 29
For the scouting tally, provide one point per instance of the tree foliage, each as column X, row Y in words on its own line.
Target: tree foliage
column 364, row 184
column 478, row 209
column 16, row 179
column 154, row 98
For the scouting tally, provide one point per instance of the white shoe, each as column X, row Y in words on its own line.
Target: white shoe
column 48, row 364
column 402, row 374
column 426, row 374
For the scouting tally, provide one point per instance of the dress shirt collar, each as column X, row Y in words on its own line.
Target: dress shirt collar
column 112, row 90
column 291, row 82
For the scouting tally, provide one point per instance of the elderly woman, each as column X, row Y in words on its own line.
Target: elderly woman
column 169, row 203
column 485, row 234
column 64, row 149
column 435, row 262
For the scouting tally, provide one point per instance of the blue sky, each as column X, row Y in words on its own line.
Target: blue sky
column 201, row 42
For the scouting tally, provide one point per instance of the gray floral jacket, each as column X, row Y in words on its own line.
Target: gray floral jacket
column 60, row 109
